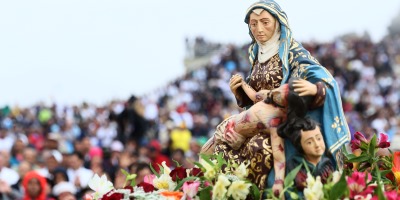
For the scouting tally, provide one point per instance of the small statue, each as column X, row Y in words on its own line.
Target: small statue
column 276, row 57
column 305, row 135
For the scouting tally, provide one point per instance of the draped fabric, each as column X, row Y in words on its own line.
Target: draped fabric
column 297, row 62
column 257, row 149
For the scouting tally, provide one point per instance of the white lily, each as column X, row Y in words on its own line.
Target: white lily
column 210, row 169
column 100, row 185
column 241, row 170
column 314, row 188
column 336, row 176
column 164, row 182
column 239, row 190
column 219, row 190
column 167, row 170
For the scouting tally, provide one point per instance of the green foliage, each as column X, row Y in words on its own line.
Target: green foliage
column 339, row 189
column 129, row 177
column 154, row 171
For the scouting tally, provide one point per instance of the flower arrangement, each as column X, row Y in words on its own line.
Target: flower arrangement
column 371, row 171
column 367, row 174
column 213, row 178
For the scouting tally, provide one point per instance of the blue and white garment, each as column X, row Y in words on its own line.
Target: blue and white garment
column 297, row 62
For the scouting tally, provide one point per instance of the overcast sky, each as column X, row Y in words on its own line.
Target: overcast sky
column 96, row 50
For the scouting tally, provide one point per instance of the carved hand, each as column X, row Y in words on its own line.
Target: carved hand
column 304, row 88
column 235, row 83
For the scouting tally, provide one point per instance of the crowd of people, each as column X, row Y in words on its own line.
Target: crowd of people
column 53, row 151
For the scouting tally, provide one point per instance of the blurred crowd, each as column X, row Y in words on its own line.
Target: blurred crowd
column 52, row 151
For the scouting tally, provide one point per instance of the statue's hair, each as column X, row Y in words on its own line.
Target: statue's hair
column 296, row 118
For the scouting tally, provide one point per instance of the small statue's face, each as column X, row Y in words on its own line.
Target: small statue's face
column 262, row 26
column 312, row 143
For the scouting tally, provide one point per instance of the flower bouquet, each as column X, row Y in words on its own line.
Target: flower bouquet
column 213, row 178
column 371, row 171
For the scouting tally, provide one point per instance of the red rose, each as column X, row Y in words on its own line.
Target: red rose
column 129, row 188
column 147, row 187
column 196, row 172
column 178, row 173
column 112, row 195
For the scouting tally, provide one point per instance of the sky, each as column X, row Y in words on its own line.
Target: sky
column 69, row 51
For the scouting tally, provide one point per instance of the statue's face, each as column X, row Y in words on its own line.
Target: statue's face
column 312, row 143
column 262, row 26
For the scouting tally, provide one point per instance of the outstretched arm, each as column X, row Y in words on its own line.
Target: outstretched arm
column 253, row 95
column 278, row 153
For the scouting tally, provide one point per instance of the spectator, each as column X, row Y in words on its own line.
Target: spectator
column 77, row 174
column 34, row 186
column 142, row 170
column 180, row 138
column 7, row 175
column 64, row 191
column 156, row 157
column 131, row 123
column 53, row 159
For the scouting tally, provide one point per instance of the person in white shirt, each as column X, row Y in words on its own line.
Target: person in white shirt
column 77, row 173
column 7, row 175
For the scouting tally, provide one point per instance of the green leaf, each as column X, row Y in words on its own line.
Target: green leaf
column 384, row 172
column 361, row 158
column 200, row 166
column 372, row 146
column 221, row 161
column 292, row 175
column 256, row 191
column 294, row 195
column 125, row 172
column 205, row 194
column 176, row 162
column 351, row 156
column 344, row 150
column 161, row 168
column 339, row 188
column 133, row 182
column 154, row 171
column 306, row 166
column 129, row 177
column 207, row 159
column 378, row 189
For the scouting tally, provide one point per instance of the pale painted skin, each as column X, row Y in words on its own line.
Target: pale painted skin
column 262, row 26
column 252, row 121
column 313, row 145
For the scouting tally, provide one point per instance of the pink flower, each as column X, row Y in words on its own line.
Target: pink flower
column 383, row 141
column 149, row 179
column 355, row 144
column 357, row 185
column 206, row 183
column 190, row 189
column 359, row 136
column 88, row 197
column 390, row 195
